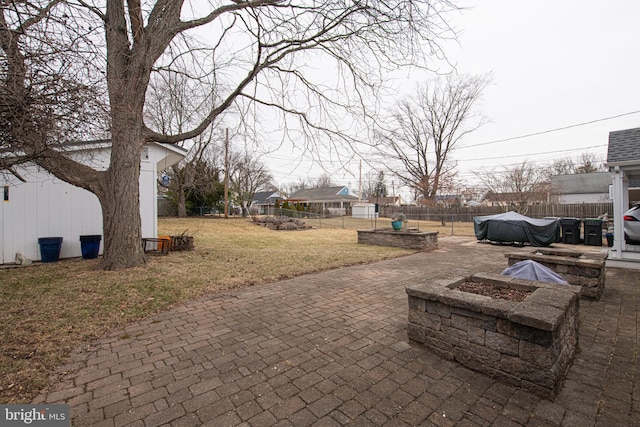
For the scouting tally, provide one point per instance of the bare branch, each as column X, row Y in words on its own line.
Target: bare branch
column 75, row 69
column 517, row 187
column 424, row 130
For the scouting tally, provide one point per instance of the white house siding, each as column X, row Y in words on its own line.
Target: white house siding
column 584, row 198
column 44, row 206
column 148, row 203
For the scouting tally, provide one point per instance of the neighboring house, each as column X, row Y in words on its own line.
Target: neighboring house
column 449, row 199
column 264, row 202
column 440, row 200
column 334, row 200
column 623, row 161
column 513, row 199
column 581, row 188
column 45, row 206
column 387, row 201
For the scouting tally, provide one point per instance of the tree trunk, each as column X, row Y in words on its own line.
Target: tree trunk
column 182, row 202
column 120, row 200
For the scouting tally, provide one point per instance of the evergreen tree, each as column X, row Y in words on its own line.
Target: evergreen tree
column 380, row 189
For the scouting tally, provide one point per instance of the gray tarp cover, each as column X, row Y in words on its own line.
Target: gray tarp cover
column 531, row 270
column 513, row 227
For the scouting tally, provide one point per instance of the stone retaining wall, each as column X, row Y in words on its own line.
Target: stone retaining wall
column 529, row 344
column 577, row 268
column 405, row 238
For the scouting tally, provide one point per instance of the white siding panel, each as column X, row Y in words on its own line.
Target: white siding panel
column 47, row 207
column 28, row 213
column 583, row 198
column 18, row 222
column 148, row 199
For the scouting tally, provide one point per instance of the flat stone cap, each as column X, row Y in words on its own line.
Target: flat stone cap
column 562, row 257
column 544, row 308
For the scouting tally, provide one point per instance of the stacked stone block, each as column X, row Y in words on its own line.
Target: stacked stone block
column 408, row 239
column 577, row 268
column 529, row 344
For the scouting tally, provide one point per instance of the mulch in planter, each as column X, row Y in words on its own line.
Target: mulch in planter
column 493, row 291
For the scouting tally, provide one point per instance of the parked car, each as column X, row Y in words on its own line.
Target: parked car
column 632, row 225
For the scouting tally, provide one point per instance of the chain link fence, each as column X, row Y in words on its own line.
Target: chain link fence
column 451, row 226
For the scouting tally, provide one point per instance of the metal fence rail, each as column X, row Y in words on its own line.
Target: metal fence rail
column 315, row 220
column 454, row 221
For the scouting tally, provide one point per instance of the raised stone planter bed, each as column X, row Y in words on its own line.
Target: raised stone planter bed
column 405, row 238
column 529, row 344
column 281, row 223
column 578, row 268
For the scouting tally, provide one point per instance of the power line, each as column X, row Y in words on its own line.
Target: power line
column 551, row 130
column 533, row 154
column 302, row 159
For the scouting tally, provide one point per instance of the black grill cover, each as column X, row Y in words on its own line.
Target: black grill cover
column 513, row 227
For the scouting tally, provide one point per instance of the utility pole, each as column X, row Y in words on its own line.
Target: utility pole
column 226, row 174
column 360, row 185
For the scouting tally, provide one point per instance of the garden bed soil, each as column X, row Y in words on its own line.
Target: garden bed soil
column 493, row 291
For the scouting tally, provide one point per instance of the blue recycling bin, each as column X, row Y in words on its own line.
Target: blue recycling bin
column 50, row 248
column 90, row 246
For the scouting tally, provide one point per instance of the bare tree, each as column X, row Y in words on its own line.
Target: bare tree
column 251, row 55
column 562, row 166
column 447, row 200
column 517, row 187
column 172, row 106
column 324, row 181
column 589, row 163
column 425, row 128
column 248, row 175
column 374, row 185
column 43, row 104
column 290, row 188
column 585, row 163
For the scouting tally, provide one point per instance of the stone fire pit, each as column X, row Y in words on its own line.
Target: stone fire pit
column 406, row 238
column 529, row 344
column 578, row 268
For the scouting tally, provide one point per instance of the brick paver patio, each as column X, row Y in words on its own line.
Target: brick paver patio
column 331, row 349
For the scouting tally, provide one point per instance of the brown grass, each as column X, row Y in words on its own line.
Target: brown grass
column 48, row 310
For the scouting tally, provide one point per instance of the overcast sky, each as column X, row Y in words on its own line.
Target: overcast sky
column 554, row 64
